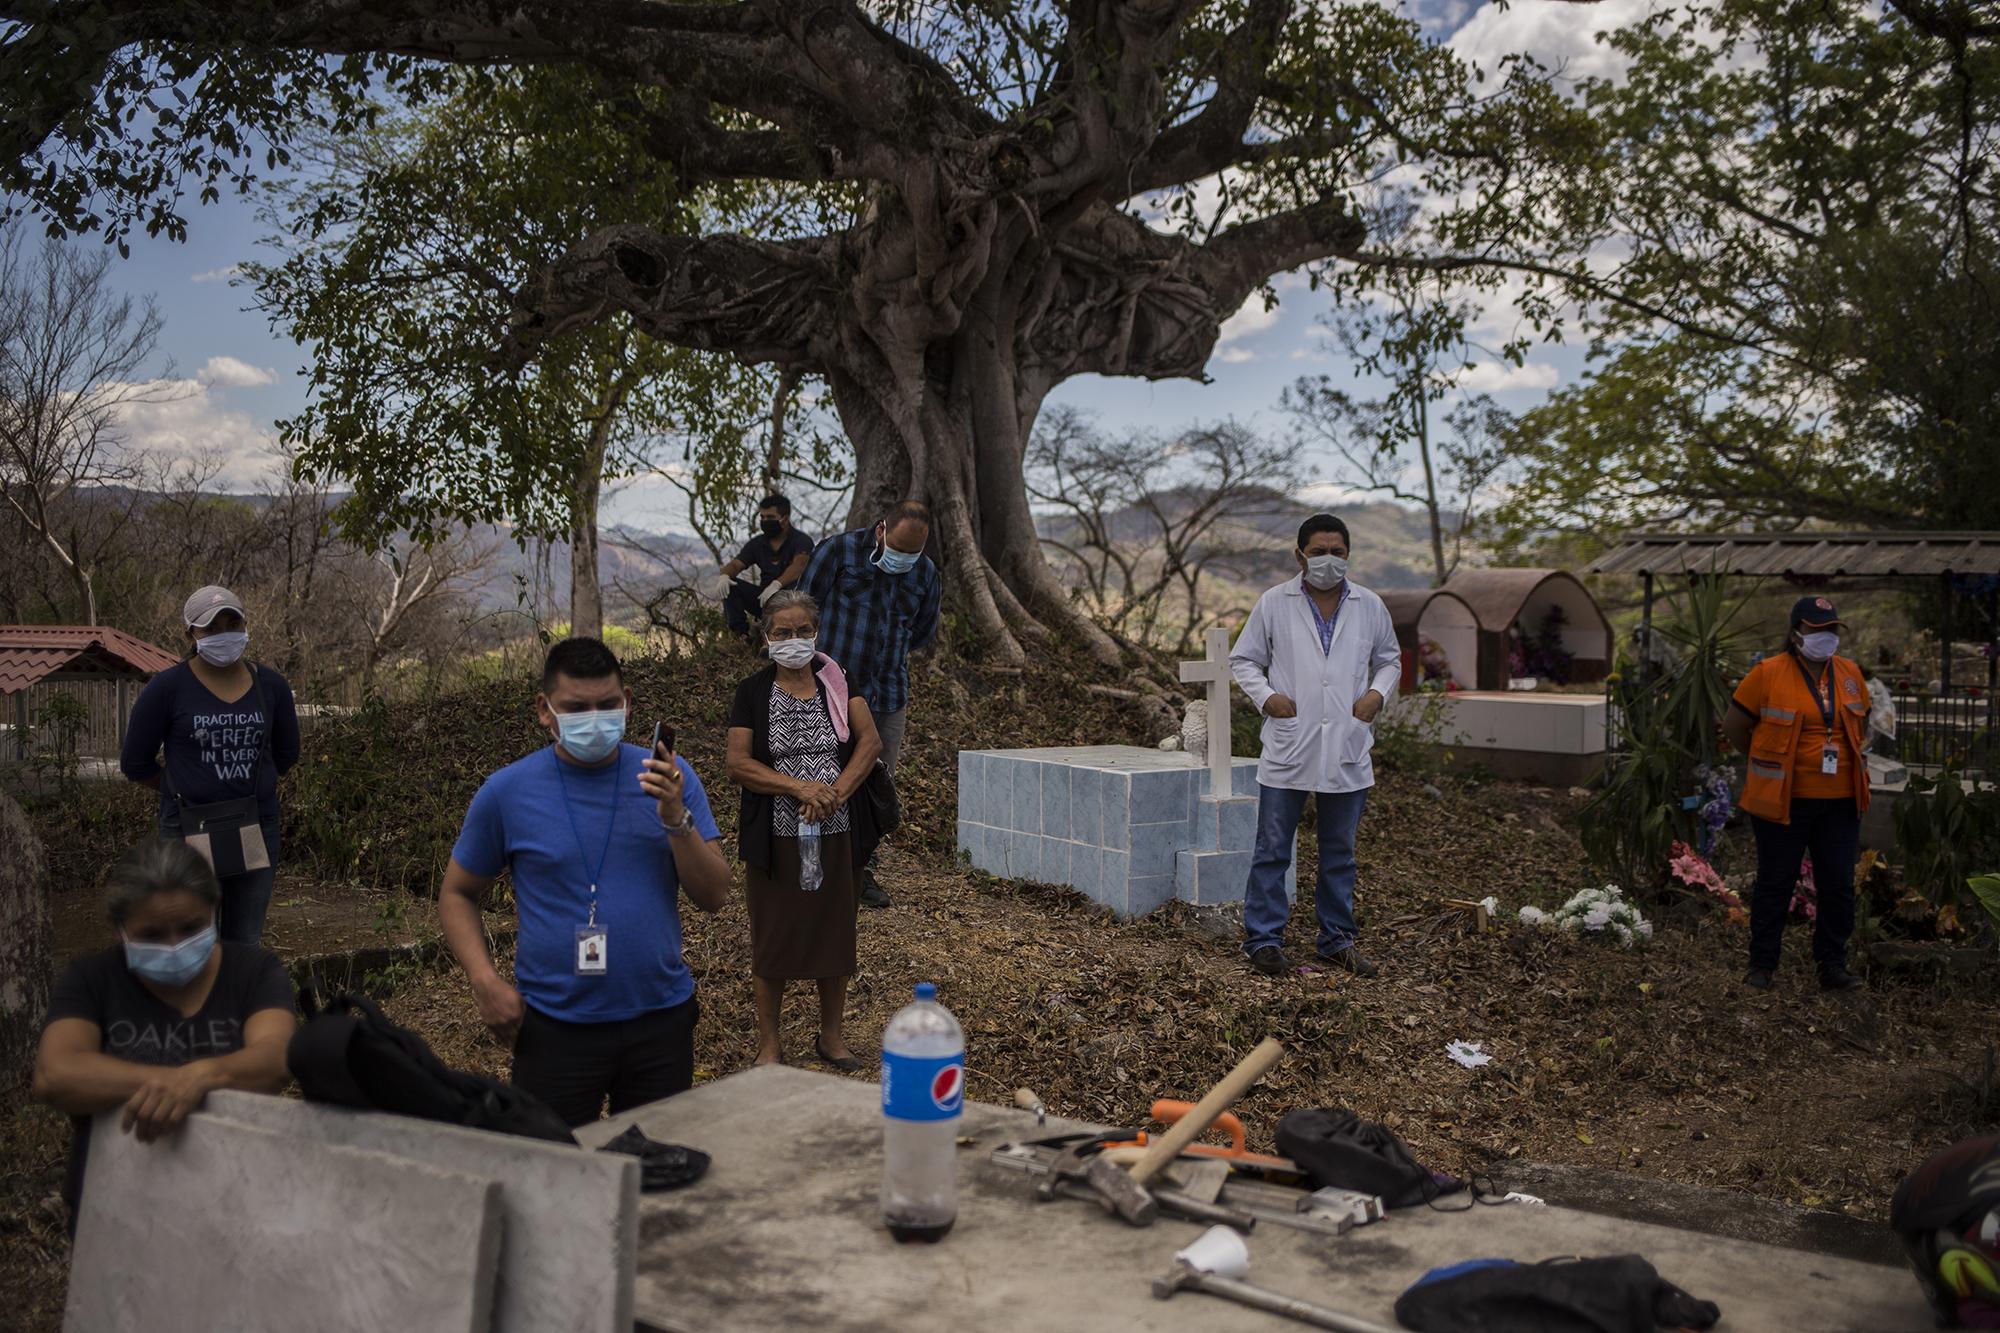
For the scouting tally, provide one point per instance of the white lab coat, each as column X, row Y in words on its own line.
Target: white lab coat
column 1325, row 748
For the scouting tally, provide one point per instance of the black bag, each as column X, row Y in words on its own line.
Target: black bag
column 1620, row 1294
column 352, row 1055
column 1340, row 1150
column 229, row 834
column 879, row 790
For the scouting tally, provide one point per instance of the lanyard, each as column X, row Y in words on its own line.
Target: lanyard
column 1822, row 690
column 569, row 808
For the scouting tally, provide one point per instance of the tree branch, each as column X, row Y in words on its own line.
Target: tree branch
column 756, row 300
column 1213, row 139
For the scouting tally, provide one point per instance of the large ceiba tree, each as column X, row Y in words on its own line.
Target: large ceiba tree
column 1003, row 196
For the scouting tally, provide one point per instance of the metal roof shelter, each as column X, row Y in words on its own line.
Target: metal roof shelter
column 1934, row 555
column 1805, row 554
column 33, row 654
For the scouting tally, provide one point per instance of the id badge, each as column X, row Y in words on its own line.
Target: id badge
column 591, row 945
column 1829, row 761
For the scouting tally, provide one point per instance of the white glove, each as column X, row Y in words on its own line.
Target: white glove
column 715, row 587
column 771, row 590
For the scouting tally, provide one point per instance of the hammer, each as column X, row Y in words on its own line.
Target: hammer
column 1185, row 1277
column 1165, row 1148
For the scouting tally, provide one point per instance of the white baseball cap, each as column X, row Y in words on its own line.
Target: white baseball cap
column 206, row 602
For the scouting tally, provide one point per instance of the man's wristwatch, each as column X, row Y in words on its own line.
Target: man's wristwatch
column 686, row 824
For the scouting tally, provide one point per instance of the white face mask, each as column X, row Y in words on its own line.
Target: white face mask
column 792, row 652
column 1326, row 572
column 223, row 648
column 1819, row 645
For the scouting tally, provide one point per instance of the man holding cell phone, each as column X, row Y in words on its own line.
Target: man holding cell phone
column 601, row 838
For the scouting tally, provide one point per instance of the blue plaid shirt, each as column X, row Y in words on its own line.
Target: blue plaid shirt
column 869, row 621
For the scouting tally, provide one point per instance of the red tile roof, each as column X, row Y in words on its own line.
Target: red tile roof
column 29, row 653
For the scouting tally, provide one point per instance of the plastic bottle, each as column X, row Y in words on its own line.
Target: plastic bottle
column 923, row 1093
column 810, row 874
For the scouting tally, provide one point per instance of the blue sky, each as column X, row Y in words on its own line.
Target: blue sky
column 245, row 376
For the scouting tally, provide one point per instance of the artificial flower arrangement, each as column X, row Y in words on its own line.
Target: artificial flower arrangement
column 1690, row 868
column 1604, row 913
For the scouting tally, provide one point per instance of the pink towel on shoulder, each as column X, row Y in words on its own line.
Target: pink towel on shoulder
column 835, row 680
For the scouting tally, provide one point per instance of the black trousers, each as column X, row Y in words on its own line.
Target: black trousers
column 1831, row 831
column 741, row 607
column 575, row 1066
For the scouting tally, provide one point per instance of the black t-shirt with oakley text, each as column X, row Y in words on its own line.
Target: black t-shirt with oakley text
column 140, row 1027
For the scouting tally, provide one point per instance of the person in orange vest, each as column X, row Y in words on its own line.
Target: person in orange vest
column 1800, row 718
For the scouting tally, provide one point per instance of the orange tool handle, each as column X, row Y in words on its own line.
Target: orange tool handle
column 1167, row 1111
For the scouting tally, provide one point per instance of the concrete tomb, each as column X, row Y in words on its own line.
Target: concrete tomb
column 222, row 1226
column 569, row 1218
column 783, row 1233
column 1128, row 827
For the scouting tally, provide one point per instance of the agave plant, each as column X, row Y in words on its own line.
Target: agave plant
column 1668, row 732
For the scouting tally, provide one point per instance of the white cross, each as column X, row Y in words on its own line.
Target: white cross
column 1215, row 672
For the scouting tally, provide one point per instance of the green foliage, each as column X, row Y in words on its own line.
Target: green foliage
column 403, row 255
column 1409, row 734
column 54, row 757
column 1803, row 320
column 1986, row 888
column 1665, row 722
column 1946, row 835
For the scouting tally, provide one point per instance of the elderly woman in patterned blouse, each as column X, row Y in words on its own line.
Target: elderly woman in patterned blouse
column 800, row 748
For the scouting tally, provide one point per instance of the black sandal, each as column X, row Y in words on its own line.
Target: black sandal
column 847, row 1064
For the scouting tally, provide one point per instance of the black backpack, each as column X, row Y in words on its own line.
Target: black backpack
column 352, row 1055
column 1340, row 1150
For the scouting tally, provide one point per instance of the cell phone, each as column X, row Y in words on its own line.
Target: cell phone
column 663, row 735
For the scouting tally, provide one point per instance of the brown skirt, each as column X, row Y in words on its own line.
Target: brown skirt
column 798, row 936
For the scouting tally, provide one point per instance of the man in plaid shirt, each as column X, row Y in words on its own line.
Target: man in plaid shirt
column 878, row 599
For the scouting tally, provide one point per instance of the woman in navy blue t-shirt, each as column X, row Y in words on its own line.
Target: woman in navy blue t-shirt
column 218, row 728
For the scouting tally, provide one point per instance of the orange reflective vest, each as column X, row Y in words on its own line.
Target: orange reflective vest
column 1774, row 745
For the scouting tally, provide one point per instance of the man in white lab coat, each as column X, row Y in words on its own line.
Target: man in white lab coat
column 1319, row 657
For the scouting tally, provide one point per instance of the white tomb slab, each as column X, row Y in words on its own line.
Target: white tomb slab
column 1126, row 826
column 569, row 1218
column 224, row 1226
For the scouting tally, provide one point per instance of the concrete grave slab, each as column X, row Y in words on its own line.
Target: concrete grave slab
column 223, row 1226
column 571, row 1217
column 1107, row 820
column 783, row 1234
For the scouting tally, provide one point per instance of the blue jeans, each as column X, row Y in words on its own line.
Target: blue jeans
column 1265, row 911
column 246, row 898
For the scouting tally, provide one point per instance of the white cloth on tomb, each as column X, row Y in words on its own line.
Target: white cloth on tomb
column 1325, row 748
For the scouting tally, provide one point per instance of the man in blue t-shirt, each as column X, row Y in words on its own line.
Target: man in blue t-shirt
column 601, row 837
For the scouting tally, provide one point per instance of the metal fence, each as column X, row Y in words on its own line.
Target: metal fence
column 1961, row 725
column 25, row 729
column 106, row 706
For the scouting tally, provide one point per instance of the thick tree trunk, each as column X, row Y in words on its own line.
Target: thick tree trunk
column 26, row 960
column 586, row 593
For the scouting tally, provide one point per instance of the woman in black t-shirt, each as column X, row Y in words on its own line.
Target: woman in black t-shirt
column 158, row 1021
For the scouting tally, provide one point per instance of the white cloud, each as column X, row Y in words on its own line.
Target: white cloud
column 1332, row 493
column 1501, row 376
column 217, row 274
column 184, row 421
column 1562, row 36
column 229, row 373
column 1254, row 318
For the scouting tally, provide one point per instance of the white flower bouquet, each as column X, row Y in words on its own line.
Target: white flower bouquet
column 1603, row 912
